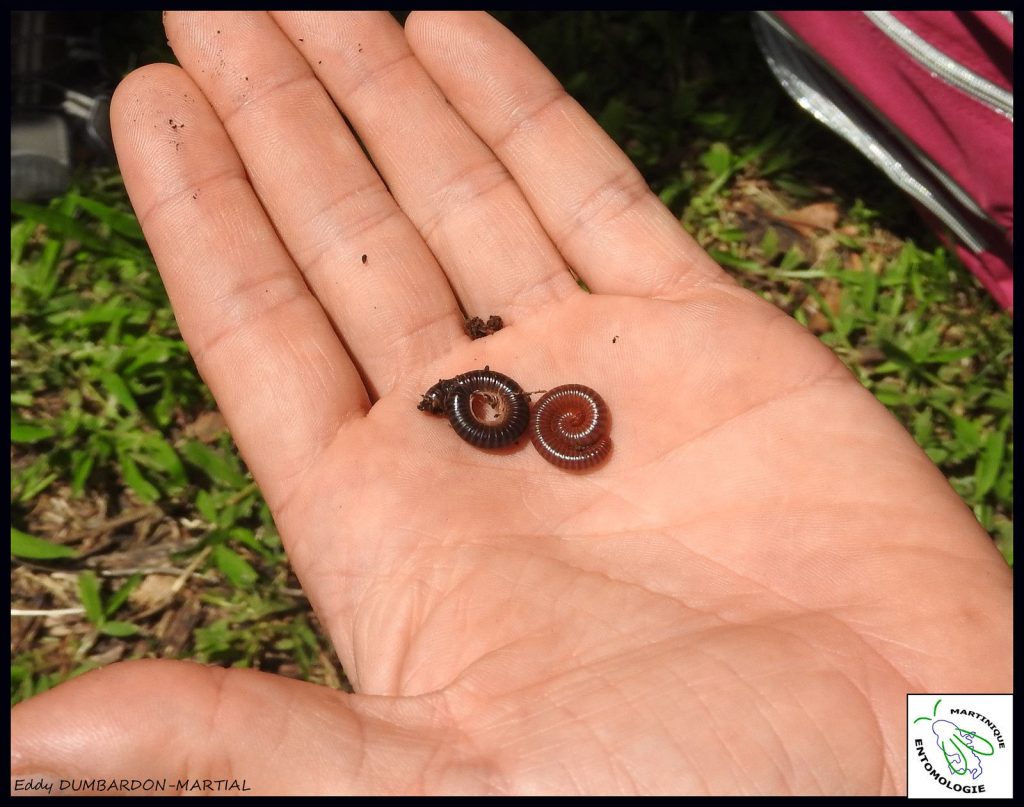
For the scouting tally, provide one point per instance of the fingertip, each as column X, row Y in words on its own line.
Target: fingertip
column 138, row 94
column 427, row 25
column 141, row 81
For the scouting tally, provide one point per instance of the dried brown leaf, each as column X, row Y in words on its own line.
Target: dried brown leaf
column 155, row 590
column 207, row 426
column 817, row 216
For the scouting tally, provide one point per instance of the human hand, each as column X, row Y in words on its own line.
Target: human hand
column 737, row 601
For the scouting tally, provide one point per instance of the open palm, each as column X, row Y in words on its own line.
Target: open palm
column 738, row 600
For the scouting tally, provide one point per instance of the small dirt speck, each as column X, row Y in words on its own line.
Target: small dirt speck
column 615, row 339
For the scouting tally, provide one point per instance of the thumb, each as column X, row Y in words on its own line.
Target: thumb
column 163, row 726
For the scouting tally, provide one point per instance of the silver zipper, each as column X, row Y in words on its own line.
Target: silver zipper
column 941, row 65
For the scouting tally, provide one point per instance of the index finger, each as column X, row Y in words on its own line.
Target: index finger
column 260, row 339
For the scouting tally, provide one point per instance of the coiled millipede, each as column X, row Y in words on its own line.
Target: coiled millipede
column 486, row 408
column 570, row 427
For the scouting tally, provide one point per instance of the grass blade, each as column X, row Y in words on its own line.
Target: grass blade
column 28, row 546
column 89, row 594
column 989, row 464
column 235, row 568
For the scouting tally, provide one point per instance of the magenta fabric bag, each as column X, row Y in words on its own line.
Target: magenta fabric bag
column 928, row 97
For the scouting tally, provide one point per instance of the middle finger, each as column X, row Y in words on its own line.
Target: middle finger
column 367, row 265
column 463, row 201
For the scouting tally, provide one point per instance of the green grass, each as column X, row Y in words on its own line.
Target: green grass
column 132, row 509
column 110, row 417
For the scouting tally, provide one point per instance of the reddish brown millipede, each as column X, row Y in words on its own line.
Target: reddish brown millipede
column 486, row 408
column 570, row 427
